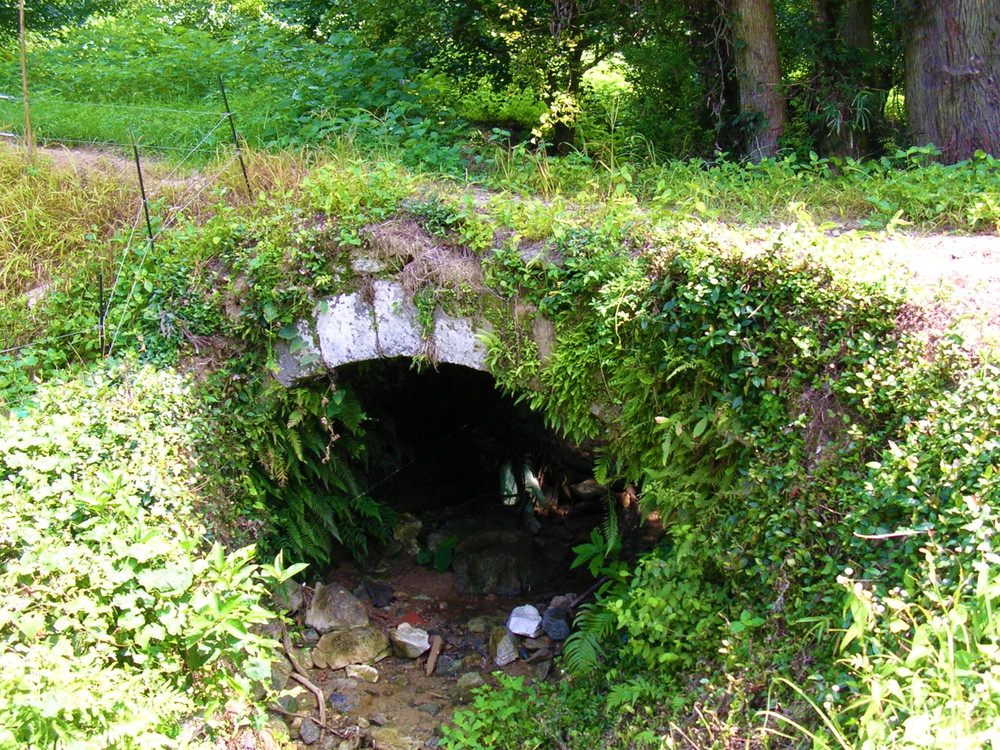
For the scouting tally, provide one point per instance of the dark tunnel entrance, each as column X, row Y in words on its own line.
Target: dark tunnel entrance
column 491, row 491
column 442, row 437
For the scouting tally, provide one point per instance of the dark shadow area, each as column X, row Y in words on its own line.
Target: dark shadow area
column 442, row 437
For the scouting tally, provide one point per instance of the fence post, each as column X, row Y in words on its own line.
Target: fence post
column 142, row 191
column 232, row 128
column 101, row 313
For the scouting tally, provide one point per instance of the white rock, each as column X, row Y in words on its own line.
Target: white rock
column 364, row 672
column 409, row 642
column 525, row 621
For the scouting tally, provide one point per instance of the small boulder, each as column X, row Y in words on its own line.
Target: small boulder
column 555, row 623
column 466, row 684
column 335, row 608
column 563, row 601
column 409, row 642
column 309, row 732
column 497, row 561
column 479, row 624
column 355, row 646
column 448, row 665
column 385, row 738
column 281, row 672
column 543, row 670
column 525, row 621
column 588, row 489
column 503, row 646
column 340, row 703
column 380, row 593
column 288, row 597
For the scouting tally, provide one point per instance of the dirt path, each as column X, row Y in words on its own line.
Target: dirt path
column 953, row 278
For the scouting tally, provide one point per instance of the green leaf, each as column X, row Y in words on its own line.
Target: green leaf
column 172, row 579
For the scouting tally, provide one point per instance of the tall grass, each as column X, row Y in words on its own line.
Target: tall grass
column 925, row 668
column 72, row 210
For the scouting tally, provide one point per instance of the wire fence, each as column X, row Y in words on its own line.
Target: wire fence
column 134, row 239
column 69, row 121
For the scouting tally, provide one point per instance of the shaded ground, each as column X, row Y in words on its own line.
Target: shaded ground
column 406, row 707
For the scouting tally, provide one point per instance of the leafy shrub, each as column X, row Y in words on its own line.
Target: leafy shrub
column 497, row 717
column 923, row 663
column 118, row 621
column 510, row 106
column 308, row 449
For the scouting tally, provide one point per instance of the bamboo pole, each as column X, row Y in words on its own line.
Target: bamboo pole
column 28, row 135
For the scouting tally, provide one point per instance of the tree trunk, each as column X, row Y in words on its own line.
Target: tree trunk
column 762, row 103
column 843, row 97
column 953, row 76
column 710, row 37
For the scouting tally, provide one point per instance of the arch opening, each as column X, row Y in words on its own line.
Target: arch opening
column 477, row 474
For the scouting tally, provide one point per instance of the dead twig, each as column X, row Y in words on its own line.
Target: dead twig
column 302, row 677
column 436, row 643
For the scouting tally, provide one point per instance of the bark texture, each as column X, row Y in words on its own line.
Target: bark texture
column 762, row 102
column 953, row 76
column 845, row 101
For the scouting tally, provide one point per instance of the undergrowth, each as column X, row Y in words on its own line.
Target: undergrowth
column 755, row 385
column 120, row 624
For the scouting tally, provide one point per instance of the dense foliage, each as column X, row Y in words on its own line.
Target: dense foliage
column 121, row 625
column 821, row 457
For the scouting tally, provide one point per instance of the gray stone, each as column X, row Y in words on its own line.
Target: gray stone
column 340, row 702
column 384, row 322
column 564, row 601
column 364, row 672
column 588, row 489
column 479, row 624
column 497, row 562
column 526, row 621
column 409, row 642
column 380, row 593
column 503, row 646
column 343, row 684
column 355, row 646
column 309, row 732
column 385, row 738
column 555, row 623
column 281, row 672
column 335, row 608
column 542, row 654
column 466, row 684
column 288, row 703
column 299, row 359
column 449, row 665
column 310, row 635
column 288, row 597
column 432, row 709
column 543, row 670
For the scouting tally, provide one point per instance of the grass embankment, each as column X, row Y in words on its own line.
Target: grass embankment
column 766, row 401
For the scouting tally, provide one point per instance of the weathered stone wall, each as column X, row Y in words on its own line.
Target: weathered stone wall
column 378, row 322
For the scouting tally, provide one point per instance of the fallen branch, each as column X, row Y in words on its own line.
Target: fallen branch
column 302, row 677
